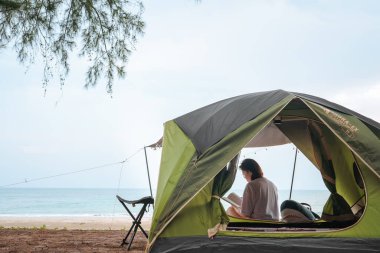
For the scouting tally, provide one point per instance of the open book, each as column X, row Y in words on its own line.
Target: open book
column 233, row 199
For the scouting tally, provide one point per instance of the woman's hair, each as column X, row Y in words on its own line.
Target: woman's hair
column 252, row 166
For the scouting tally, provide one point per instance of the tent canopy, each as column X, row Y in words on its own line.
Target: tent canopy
column 199, row 145
column 209, row 124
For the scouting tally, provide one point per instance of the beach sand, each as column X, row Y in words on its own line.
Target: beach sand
column 68, row 234
column 76, row 222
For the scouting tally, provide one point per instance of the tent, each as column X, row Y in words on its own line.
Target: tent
column 199, row 160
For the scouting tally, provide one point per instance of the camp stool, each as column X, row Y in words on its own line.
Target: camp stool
column 145, row 201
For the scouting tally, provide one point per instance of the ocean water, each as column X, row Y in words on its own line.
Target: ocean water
column 102, row 202
column 67, row 202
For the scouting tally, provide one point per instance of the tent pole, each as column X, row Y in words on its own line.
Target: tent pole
column 147, row 169
column 294, row 168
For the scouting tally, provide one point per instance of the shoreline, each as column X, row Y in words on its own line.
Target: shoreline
column 71, row 222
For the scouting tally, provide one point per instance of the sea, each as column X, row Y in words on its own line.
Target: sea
column 72, row 202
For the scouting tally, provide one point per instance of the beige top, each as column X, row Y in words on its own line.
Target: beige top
column 260, row 200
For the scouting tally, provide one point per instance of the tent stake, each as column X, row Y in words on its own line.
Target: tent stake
column 294, row 168
column 147, row 169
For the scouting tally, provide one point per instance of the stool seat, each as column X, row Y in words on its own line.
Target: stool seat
column 145, row 201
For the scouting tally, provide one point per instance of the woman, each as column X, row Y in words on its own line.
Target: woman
column 260, row 197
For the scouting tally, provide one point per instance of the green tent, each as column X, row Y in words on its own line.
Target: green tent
column 199, row 160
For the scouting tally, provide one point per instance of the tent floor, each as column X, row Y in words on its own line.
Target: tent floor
column 281, row 226
column 232, row 244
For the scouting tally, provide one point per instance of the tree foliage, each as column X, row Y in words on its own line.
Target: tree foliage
column 103, row 31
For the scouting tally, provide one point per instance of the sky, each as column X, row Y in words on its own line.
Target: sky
column 192, row 54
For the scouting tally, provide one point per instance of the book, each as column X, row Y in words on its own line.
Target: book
column 233, row 199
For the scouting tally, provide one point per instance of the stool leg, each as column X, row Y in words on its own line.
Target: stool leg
column 133, row 237
column 140, row 215
column 125, row 241
column 137, row 225
column 126, row 237
column 142, row 230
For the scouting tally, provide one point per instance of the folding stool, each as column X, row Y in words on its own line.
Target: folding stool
column 145, row 201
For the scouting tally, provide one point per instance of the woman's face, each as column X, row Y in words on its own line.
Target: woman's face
column 247, row 175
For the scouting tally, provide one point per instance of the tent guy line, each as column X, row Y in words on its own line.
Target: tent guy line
column 25, row 181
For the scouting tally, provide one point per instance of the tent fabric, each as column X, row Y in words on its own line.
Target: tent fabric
column 198, row 145
column 199, row 173
column 354, row 133
column 229, row 244
column 337, row 107
column 269, row 136
column 336, row 207
column 176, row 154
column 157, row 144
column 211, row 123
column 222, row 183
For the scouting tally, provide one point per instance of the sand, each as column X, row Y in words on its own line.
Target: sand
column 77, row 222
column 68, row 234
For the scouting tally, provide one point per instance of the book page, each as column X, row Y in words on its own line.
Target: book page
column 233, row 199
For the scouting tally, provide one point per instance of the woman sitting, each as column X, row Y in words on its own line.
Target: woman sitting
column 260, row 197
